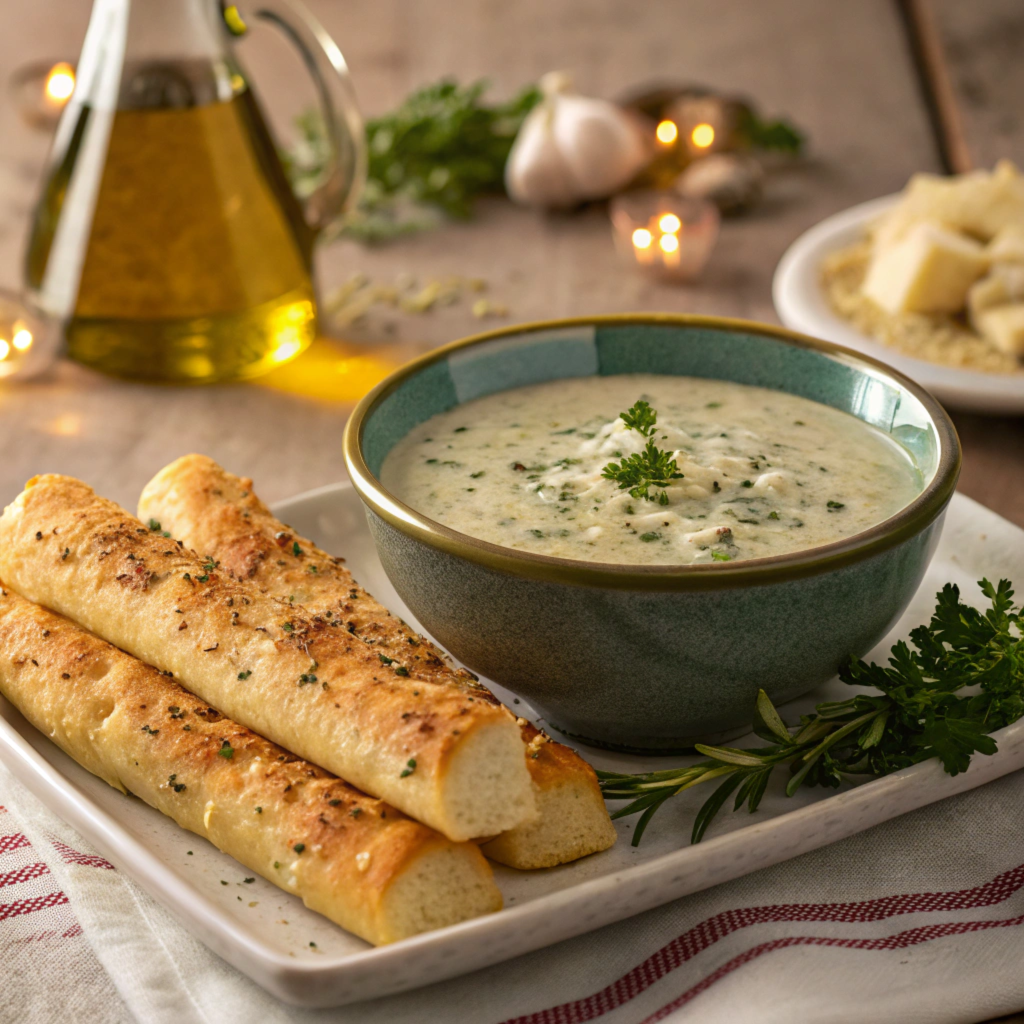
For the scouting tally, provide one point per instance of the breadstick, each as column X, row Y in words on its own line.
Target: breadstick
column 436, row 751
column 348, row 856
column 219, row 514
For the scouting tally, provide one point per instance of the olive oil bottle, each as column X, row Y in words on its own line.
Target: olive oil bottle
column 167, row 237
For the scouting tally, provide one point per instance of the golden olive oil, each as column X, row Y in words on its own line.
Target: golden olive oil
column 197, row 265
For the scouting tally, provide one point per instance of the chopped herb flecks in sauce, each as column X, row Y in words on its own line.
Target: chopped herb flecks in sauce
column 651, row 470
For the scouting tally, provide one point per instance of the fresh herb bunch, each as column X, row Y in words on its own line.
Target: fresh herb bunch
column 963, row 680
column 779, row 135
column 434, row 155
column 653, row 467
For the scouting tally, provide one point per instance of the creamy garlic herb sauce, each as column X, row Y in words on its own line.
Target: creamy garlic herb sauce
column 764, row 472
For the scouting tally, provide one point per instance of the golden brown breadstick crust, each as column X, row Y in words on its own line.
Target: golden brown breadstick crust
column 434, row 749
column 354, row 859
column 219, row 514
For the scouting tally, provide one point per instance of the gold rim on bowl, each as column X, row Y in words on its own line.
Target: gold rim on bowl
column 906, row 523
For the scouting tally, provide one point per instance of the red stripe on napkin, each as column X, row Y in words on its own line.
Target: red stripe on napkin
column 902, row 940
column 29, row 906
column 23, row 874
column 707, row 933
column 72, row 856
column 14, row 842
column 70, row 933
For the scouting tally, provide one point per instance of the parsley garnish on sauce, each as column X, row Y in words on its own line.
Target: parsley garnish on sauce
column 960, row 678
column 651, row 468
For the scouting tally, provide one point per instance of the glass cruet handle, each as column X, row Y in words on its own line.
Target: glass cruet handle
column 345, row 173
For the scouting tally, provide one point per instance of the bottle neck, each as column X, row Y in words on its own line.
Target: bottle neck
column 154, row 53
column 174, row 30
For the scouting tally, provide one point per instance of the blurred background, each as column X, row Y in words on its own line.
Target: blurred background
column 854, row 83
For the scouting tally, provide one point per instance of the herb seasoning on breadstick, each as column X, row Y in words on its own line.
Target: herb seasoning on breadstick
column 348, row 856
column 316, row 690
column 219, row 514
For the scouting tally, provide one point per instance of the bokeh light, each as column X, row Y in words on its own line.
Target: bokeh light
column 60, row 82
column 642, row 238
column 702, row 136
column 667, row 132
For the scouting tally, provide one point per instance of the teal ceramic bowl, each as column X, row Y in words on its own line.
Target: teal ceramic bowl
column 653, row 658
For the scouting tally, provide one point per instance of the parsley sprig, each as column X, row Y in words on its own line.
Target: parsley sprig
column 641, row 418
column 963, row 679
column 433, row 156
column 653, row 467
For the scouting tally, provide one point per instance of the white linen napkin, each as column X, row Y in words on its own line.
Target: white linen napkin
column 920, row 920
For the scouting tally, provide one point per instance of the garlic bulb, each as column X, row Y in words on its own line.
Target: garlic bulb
column 571, row 148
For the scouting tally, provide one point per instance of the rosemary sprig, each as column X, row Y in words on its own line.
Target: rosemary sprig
column 921, row 712
column 653, row 467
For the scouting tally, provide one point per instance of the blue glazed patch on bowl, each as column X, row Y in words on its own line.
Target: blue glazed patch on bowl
column 416, row 400
column 527, row 359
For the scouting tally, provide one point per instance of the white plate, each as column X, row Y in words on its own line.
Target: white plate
column 802, row 306
column 270, row 941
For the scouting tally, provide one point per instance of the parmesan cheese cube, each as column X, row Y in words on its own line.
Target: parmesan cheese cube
column 1003, row 285
column 929, row 271
column 1004, row 327
column 1008, row 245
column 980, row 204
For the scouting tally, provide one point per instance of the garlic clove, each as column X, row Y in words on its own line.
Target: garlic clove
column 573, row 148
column 600, row 144
column 731, row 181
column 536, row 174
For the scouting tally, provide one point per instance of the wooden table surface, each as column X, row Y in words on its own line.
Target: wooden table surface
column 842, row 71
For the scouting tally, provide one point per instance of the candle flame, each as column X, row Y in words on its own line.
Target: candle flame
column 702, row 135
column 669, row 223
column 667, row 132
column 60, row 82
column 642, row 238
column 668, row 243
column 22, row 339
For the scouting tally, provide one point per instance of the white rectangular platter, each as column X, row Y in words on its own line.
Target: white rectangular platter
column 267, row 934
